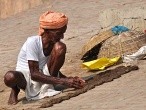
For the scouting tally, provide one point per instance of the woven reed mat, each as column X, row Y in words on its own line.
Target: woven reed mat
column 94, row 80
column 96, row 40
column 123, row 44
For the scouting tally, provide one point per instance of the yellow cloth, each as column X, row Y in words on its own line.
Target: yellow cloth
column 52, row 20
column 100, row 64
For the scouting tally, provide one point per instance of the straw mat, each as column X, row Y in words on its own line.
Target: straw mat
column 96, row 40
column 123, row 44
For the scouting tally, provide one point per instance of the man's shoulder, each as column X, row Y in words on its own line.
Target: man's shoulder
column 33, row 39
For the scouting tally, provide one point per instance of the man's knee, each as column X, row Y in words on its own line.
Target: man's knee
column 10, row 78
column 60, row 48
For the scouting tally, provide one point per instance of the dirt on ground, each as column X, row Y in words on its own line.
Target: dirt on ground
column 126, row 92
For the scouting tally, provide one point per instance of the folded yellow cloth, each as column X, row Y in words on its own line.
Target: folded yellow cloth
column 100, row 64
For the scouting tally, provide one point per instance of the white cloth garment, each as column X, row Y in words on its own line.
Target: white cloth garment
column 36, row 90
column 32, row 49
column 140, row 54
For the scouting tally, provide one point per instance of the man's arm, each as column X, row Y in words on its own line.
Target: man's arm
column 36, row 75
column 62, row 75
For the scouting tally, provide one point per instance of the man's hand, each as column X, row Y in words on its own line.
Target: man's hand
column 74, row 82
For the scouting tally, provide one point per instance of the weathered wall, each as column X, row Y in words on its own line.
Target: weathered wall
column 133, row 18
column 11, row 7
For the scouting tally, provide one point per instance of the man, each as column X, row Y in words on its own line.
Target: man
column 40, row 60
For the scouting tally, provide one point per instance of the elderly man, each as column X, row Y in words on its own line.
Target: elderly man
column 40, row 60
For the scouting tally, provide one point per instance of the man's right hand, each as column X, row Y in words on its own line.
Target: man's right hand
column 74, row 82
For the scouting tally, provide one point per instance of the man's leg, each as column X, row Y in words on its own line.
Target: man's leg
column 16, row 81
column 57, row 59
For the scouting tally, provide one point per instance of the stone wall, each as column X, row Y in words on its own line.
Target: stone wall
column 133, row 18
column 11, row 7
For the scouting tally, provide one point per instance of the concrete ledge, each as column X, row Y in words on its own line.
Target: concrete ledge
column 11, row 7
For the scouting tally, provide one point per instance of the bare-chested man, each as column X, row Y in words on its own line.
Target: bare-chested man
column 40, row 60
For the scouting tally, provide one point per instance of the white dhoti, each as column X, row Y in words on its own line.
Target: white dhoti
column 37, row 90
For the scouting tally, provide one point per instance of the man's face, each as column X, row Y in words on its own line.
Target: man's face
column 57, row 34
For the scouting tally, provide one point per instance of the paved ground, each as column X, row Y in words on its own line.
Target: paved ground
column 127, row 92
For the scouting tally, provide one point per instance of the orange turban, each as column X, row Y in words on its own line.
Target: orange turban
column 52, row 20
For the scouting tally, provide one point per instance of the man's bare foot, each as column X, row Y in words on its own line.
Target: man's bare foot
column 13, row 99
